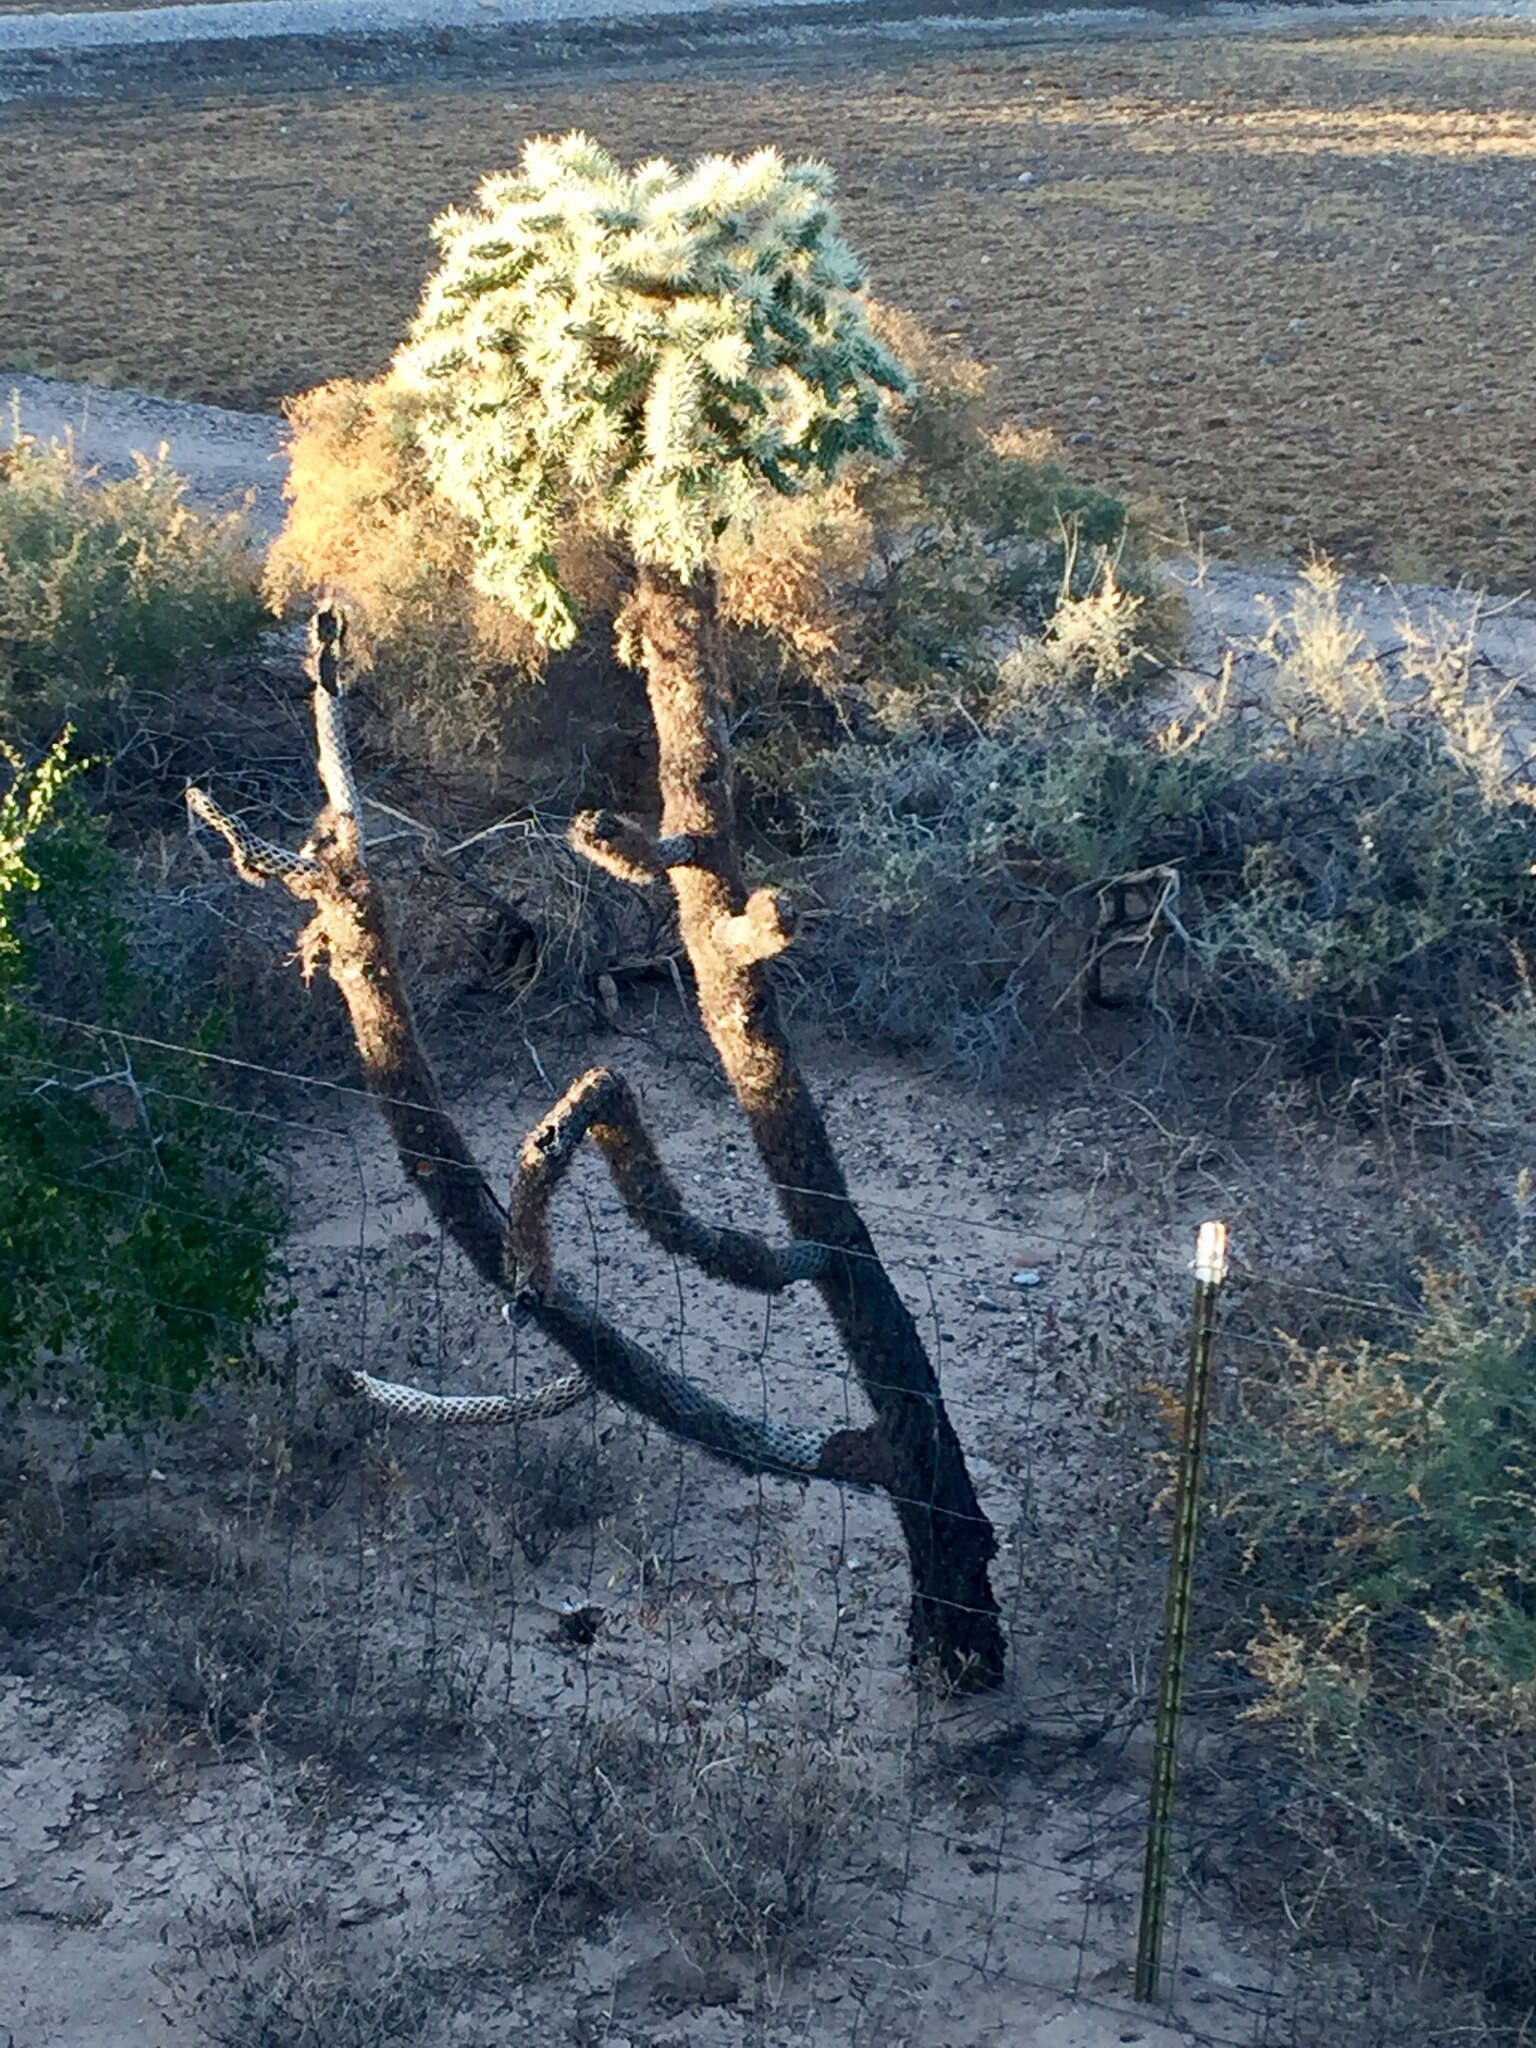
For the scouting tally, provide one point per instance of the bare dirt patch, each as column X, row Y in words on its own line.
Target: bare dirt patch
column 1282, row 283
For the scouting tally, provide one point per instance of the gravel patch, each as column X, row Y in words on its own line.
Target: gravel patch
column 248, row 20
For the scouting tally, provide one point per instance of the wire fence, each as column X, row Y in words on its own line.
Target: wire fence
column 622, row 1686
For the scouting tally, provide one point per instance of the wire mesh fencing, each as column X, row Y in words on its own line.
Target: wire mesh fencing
column 612, row 1742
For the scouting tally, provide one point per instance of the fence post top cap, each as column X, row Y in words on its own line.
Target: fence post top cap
column 1211, row 1254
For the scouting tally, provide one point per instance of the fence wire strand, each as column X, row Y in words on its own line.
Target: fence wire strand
column 634, row 1679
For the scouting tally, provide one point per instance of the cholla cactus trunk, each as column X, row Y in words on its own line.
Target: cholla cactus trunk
column 350, row 928
column 949, row 1540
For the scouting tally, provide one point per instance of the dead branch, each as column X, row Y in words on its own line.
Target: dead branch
column 602, row 1106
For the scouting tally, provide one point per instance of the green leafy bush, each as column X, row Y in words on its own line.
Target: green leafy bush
column 108, row 587
column 1383, row 1505
column 1389, row 1488
column 137, row 1218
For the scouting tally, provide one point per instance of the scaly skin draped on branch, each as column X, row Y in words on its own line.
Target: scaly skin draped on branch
column 950, row 1541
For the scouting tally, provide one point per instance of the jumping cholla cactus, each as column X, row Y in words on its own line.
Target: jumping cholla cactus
column 648, row 353
column 650, row 356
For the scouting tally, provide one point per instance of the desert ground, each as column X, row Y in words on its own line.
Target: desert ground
column 316, row 1731
column 285, row 1694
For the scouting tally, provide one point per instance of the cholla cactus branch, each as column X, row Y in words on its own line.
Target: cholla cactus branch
column 622, row 849
column 348, row 932
column 764, row 928
column 629, row 1374
column 602, row 1106
column 651, row 353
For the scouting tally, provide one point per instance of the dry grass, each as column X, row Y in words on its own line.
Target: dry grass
column 1283, row 283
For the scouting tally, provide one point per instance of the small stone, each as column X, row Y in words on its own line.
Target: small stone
column 1027, row 1276
column 579, row 1623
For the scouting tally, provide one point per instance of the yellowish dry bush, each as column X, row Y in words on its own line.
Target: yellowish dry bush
column 792, row 579
column 364, row 523
column 893, row 577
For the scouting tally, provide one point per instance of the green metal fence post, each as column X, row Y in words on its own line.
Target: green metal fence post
column 1210, row 1272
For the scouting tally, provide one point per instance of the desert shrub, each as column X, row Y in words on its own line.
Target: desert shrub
column 1380, row 1500
column 1332, row 865
column 891, row 578
column 741, row 1829
column 310, row 1994
column 364, row 520
column 137, row 1220
column 108, row 587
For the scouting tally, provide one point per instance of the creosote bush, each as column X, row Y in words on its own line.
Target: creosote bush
column 1332, row 863
column 1380, row 1497
column 108, row 588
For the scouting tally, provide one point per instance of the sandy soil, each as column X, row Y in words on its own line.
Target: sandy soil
column 1281, row 283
